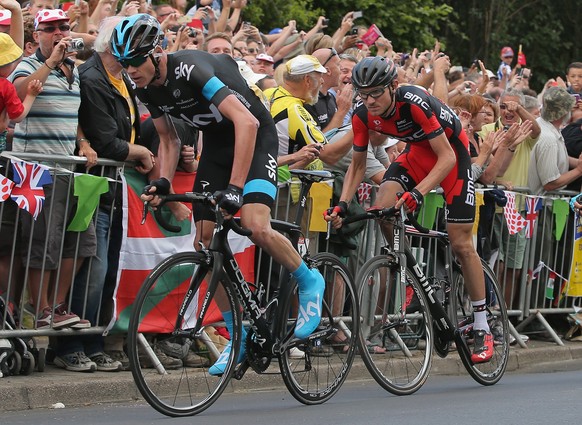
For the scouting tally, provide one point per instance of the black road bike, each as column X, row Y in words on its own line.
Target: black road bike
column 175, row 307
column 406, row 313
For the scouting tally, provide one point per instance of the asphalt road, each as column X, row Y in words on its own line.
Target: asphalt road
column 519, row 398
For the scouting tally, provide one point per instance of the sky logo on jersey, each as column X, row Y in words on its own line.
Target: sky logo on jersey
column 183, row 70
column 200, row 120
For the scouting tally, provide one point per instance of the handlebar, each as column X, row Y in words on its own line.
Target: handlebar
column 191, row 198
column 387, row 213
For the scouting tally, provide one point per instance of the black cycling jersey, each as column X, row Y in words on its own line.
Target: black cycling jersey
column 196, row 83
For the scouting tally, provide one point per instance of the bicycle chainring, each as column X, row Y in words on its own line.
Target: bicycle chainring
column 259, row 359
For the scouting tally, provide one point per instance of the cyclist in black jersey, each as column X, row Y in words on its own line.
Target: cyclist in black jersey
column 208, row 93
column 437, row 154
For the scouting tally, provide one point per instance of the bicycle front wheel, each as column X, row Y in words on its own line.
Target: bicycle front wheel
column 168, row 361
column 314, row 371
column 396, row 333
column 490, row 372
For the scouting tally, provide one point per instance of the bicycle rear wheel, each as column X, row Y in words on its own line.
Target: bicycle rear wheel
column 396, row 337
column 490, row 372
column 326, row 362
column 182, row 385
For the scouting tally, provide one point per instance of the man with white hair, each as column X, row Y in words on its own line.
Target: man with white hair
column 550, row 167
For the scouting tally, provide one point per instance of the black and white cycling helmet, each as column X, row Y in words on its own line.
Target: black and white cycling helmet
column 373, row 72
column 135, row 36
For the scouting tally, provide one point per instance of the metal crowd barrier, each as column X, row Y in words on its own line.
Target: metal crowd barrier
column 528, row 302
column 15, row 270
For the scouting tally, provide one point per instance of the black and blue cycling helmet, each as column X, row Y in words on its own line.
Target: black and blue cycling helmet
column 135, row 36
column 373, row 71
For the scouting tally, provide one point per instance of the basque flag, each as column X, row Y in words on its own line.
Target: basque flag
column 28, row 191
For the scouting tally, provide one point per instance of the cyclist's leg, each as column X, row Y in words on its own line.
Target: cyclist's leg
column 204, row 229
column 256, row 217
column 460, row 199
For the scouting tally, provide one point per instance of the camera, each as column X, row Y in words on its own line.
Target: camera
column 76, row 45
column 353, row 31
column 325, row 22
column 403, row 58
column 476, row 63
column 357, row 14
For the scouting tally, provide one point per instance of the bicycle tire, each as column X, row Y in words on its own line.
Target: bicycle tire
column 398, row 355
column 185, row 390
column 488, row 373
column 327, row 361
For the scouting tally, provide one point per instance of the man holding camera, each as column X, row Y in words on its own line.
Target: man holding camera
column 51, row 128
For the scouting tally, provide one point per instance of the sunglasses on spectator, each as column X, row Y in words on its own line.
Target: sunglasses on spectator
column 135, row 62
column 51, row 29
column 331, row 55
column 374, row 94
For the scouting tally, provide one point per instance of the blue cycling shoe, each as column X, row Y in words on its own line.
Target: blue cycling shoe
column 310, row 300
column 218, row 368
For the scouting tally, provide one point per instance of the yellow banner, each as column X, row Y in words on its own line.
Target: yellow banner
column 320, row 194
column 575, row 281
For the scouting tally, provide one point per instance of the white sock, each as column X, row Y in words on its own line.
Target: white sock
column 480, row 315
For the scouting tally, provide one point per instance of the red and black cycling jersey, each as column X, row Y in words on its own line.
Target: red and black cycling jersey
column 417, row 117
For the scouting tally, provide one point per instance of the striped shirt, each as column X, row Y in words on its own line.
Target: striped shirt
column 51, row 124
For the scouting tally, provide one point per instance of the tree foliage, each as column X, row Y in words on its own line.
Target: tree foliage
column 549, row 31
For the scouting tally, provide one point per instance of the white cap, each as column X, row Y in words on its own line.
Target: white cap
column 304, row 64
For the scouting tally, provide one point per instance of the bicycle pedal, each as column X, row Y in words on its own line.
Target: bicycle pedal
column 241, row 369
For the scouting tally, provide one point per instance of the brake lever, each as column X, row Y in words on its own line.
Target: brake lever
column 144, row 213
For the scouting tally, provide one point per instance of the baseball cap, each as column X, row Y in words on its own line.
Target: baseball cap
column 5, row 17
column 390, row 142
column 490, row 73
column 304, row 64
column 9, row 50
column 506, row 52
column 557, row 102
column 49, row 15
column 264, row 57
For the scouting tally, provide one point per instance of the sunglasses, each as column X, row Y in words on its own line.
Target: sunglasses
column 50, row 30
column 331, row 55
column 135, row 62
column 374, row 94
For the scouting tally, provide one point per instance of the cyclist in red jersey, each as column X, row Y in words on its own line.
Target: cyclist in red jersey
column 437, row 154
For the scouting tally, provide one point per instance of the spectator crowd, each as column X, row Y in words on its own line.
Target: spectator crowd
column 64, row 93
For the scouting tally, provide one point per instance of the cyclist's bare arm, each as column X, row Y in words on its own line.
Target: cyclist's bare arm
column 169, row 149
column 353, row 178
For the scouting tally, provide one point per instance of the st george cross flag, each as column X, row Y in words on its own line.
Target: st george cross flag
column 515, row 222
column 28, row 191
column 532, row 206
column 6, row 186
column 144, row 246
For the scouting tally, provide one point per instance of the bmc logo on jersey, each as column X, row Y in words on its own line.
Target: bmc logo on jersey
column 183, row 70
column 414, row 98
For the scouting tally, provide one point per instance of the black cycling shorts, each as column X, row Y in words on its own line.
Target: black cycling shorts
column 215, row 166
column 414, row 164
